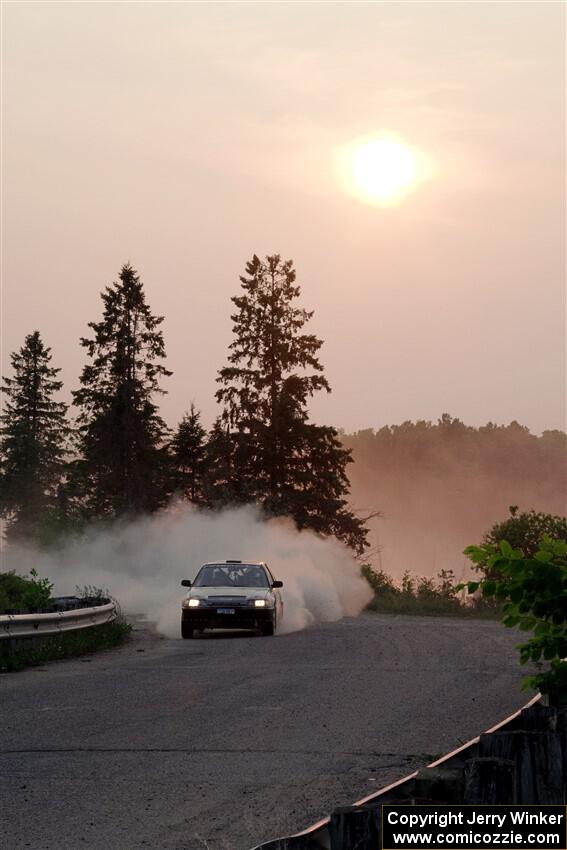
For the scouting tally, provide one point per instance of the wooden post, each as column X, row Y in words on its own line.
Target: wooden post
column 540, row 717
column 353, row 828
column 538, row 757
column 437, row 785
column 490, row 781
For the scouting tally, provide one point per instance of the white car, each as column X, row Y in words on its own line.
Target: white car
column 232, row 595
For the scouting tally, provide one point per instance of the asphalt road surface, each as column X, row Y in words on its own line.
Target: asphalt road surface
column 221, row 743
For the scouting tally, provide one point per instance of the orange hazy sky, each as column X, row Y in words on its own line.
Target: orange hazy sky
column 184, row 137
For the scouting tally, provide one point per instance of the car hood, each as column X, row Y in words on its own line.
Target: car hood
column 236, row 592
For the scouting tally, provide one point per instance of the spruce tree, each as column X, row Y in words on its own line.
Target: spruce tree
column 227, row 464
column 289, row 465
column 188, row 451
column 219, row 484
column 123, row 464
column 34, row 433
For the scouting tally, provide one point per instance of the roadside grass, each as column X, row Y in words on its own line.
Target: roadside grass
column 67, row 645
column 425, row 597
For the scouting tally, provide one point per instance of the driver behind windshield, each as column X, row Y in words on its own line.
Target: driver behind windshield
column 245, row 576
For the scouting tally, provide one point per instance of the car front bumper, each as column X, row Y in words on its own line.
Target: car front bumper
column 243, row 618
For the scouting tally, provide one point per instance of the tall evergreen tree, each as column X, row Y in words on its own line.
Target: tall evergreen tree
column 227, row 463
column 189, row 450
column 123, row 463
column 289, row 465
column 219, row 480
column 34, row 432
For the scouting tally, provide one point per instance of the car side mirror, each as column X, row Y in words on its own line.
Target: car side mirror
column 277, row 584
column 186, row 582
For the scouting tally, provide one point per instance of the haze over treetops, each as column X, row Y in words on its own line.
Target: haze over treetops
column 184, row 136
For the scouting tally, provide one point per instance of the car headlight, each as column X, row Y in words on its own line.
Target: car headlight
column 259, row 603
column 191, row 603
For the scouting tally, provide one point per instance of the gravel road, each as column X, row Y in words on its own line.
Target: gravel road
column 223, row 742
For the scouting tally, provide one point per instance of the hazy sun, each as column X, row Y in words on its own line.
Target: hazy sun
column 381, row 169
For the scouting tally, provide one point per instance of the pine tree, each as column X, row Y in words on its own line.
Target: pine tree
column 219, row 484
column 123, row 464
column 188, row 450
column 34, row 433
column 227, row 462
column 289, row 465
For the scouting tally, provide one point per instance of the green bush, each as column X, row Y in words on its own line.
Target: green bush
column 23, row 593
column 422, row 596
column 523, row 531
column 533, row 594
column 379, row 581
column 91, row 595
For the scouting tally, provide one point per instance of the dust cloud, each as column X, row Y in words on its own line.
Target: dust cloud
column 142, row 563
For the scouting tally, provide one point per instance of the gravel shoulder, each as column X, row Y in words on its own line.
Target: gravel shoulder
column 223, row 742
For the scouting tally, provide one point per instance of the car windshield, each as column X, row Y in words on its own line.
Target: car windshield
column 231, row 575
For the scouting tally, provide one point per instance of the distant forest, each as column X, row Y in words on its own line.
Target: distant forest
column 440, row 486
column 412, row 495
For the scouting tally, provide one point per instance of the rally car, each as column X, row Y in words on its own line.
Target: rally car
column 232, row 595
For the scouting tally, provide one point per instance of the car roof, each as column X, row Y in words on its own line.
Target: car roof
column 235, row 563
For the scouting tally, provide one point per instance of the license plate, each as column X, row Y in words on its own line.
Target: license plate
column 226, row 611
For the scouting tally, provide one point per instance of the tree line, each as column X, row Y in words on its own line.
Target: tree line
column 441, row 447
column 440, row 484
column 117, row 459
column 454, row 474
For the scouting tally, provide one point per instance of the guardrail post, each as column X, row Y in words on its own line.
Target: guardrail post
column 490, row 781
column 352, row 828
column 439, row 785
column 538, row 759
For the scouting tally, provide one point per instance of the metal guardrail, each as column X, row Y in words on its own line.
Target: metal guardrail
column 55, row 622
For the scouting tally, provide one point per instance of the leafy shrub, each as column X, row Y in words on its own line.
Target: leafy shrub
column 379, row 581
column 23, row 593
column 533, row 590
column 93, row 595
column 523, row 531
column 446, row 584
column 408, row 584
column 422, row 596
